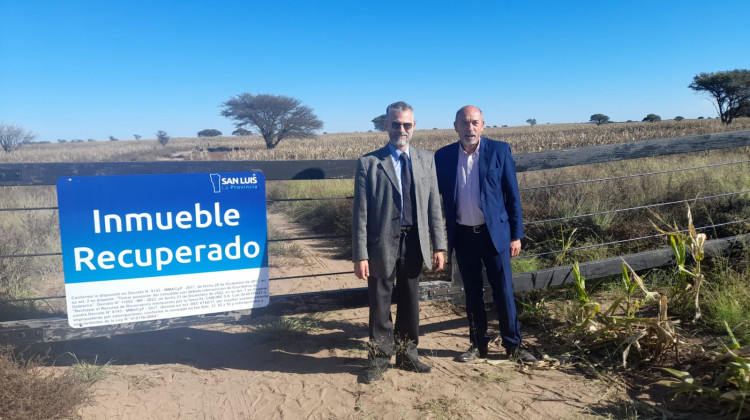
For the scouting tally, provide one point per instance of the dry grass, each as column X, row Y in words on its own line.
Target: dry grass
column 352, row 145
column 28, row 391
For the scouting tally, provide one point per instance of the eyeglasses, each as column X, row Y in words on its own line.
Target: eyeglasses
column 397, row 125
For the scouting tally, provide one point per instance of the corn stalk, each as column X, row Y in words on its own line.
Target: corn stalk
column 681, row 243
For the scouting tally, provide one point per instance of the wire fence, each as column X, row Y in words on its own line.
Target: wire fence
column 554, row 220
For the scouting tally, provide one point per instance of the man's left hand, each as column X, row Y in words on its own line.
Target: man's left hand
column 515, row 247
column 438, row 260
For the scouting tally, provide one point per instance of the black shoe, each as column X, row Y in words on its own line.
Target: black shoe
column 520, row 355
column 374, row 373
column 472, row 354
column 413, row 365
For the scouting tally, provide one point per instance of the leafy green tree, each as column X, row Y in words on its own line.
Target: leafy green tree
column 730, row 90
column 531, row 121
column 679, row 118
column 13, row 136
column 209, row 132
column 275, row 117
column 162, row 137
column 651, row 118
column 599, row 119
column 378, row 122
column 241, row 132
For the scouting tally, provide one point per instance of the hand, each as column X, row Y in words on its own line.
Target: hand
column 362, row 269
column 515, row 247
column 438, row 260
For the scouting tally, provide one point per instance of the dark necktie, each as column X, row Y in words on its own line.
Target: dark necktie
column 406, row 189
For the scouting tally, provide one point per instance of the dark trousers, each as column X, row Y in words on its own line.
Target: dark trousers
column 472, row 250
column 383, row 336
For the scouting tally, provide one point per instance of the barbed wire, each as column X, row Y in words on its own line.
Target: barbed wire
column 640, row 238
column 636, row 208
column 520, row 189
column 526, row 223
column 519, row 257
column 585, row 181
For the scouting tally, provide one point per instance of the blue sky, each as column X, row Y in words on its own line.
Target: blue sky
column 94, row 69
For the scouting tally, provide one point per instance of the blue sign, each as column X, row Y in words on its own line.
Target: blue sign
column 155, row 238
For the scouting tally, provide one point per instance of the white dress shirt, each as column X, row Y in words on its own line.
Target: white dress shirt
column 468, row 205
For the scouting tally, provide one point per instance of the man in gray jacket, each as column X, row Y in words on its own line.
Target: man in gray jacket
column 396, row 214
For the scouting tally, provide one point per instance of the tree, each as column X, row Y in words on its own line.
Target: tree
column 679, row 118
column 599, row 119
column 112, row 138
column 275, row 117
column 730, row 90
column 209, row 132
column 241, row 132
column 531, row 121
column 744, row 110
column 12, row 136
column 162, row 137
column 378, row 122
column 137, row 136
column 651, row 118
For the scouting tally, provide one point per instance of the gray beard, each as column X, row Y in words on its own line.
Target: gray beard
column 399, row 142
column 469, row 143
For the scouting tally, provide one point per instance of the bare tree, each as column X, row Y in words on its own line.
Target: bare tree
column 12, row 136
column 275, row 117
column 162, row 137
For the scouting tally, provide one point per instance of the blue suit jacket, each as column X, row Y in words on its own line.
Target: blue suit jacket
column 498, row 186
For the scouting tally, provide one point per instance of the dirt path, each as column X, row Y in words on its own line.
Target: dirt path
column 233, row 371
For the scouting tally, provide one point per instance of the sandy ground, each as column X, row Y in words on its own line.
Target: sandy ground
column 230, row 371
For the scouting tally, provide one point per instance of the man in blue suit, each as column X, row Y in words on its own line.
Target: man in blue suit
column 477, row 180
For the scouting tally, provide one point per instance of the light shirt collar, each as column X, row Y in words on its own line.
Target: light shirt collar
column 396, row 154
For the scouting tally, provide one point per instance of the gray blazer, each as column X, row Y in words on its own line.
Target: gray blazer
column 376, row 223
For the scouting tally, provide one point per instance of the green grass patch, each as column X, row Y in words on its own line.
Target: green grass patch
column 288, row 328
column 85, row 371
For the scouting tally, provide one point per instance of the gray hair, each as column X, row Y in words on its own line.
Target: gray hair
column 397, row 107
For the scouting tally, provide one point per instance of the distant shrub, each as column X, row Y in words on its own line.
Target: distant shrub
column 209, row 132
column 241, row 132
